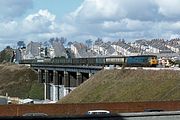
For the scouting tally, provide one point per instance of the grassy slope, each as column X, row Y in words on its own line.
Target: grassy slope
column 19, row 81
column 127, row 85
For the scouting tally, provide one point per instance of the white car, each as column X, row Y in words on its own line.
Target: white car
column 97, row 112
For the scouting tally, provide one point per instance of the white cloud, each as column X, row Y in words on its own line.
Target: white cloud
column 94, row 10
column 67, row 29
column 40, row 26
column 8, row 29
column 169, row 8
column 14, row 8
column 114, row 18
column 91, row 10
column 108, row 19
column 40, row 22
column 175, row 26
column 173, row 36
column 42, row 13
column 129, row 19
column 126, row 25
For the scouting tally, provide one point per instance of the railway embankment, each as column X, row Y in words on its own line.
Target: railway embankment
column 19, row 81
column 127, row 86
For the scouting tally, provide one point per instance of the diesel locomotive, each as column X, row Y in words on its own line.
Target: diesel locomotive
column 129, row 61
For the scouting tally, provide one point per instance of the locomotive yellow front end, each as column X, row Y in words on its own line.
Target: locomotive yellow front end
column 154, row 61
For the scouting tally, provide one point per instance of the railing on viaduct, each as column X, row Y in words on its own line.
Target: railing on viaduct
column 59, row 80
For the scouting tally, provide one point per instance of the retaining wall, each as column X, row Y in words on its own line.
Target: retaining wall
column 79, row 109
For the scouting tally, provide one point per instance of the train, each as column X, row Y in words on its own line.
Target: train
column 129, row 61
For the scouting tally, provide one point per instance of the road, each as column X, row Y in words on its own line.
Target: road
column 167, row 115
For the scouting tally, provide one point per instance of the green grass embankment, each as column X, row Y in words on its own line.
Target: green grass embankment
column 127, row 86
column 19, row 81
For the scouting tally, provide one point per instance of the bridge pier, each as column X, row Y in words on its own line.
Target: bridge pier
column 72, row 79
column 60, row 81
column 55, row 77
column 46, row 91
column 79, row 78
column 46, row 76
column 60, row 78
column 40, row 76
column 50, row 76
column 66, row 79
column 57, row 80
column 47, row 85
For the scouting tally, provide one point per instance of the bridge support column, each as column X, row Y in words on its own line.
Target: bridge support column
column 44, row 91
column 46, row 86
column 55, row 77
column 60, row 79
column 47, row 91
column 79, row 79
column 50, row 76
column 85, row 76
column 66, row 79
column 40, row 76
column 46, row 76
column 72, row 79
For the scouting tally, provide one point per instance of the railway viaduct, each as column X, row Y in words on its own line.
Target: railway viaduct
column 59, row 80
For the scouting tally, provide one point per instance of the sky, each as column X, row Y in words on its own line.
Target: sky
column 79, row 20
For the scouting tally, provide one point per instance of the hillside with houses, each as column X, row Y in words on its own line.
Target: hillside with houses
column 56, row 47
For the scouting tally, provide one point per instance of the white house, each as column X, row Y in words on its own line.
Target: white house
column 124, row 49
column 79, row 50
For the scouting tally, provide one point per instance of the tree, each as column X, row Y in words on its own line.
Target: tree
column 123, row 40
column 63, row 40
column 51, row 40
column 69, row 44
column 8, row 47
column 99, row 41
column 21, row 44
column 89, row 43
column 46, row 44
column 56, row 39
column 109, row 42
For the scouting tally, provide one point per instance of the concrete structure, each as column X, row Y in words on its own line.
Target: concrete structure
column 61, row 80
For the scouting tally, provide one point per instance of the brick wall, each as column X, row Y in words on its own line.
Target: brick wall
column 78, row 109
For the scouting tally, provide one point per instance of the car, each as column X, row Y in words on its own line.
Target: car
column 34, row 114
column 98, row 112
